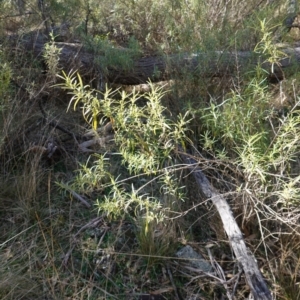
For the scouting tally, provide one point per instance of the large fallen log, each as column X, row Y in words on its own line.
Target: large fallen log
column 243, row 255
column 74, row 56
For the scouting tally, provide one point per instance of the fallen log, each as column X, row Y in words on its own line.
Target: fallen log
column 74, row 56
column 254, row 278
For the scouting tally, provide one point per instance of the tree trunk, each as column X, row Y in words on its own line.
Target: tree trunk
column 73, row 56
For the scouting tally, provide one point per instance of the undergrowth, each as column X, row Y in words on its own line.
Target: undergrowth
column 105, row 221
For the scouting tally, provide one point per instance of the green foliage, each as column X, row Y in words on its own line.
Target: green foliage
column 267, row 47
column 109, row 55
column 144, row 134
column 244, row 112
column 239, row 116
column 120, row 203
column 155, row 242
column 145, row 137
column 51, row 55
column 263, row 145
column 90, row 179
column 91, row 108
column 270, row 169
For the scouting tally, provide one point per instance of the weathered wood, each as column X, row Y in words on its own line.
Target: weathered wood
column 243, row 255
column 156, row 68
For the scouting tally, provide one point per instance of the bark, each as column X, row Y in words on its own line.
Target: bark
column 243, row 255
column 74, row 56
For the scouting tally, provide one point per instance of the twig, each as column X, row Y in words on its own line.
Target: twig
column 93, row 223
column 74, row 194
column 237, row 281
column 178, row 297
column 220, row 273
column 80, row 198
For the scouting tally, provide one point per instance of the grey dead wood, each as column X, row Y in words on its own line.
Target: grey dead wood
column 254, row 278
column 74, row 56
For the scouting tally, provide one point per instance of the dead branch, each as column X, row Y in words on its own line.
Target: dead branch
column 254, row 278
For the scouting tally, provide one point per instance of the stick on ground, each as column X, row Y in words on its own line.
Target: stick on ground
column 255, row 280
